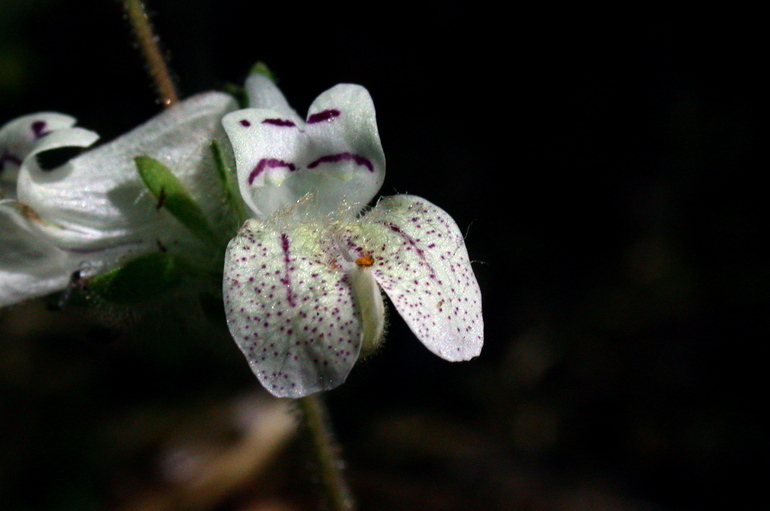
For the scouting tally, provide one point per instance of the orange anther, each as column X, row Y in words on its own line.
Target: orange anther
column 366, row 260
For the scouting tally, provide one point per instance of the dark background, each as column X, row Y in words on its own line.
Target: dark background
column 606, row 168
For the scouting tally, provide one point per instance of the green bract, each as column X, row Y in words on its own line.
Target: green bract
column 230, row 185
column 143, row 278
column 173, row 196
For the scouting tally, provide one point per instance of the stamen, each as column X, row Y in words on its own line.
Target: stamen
column 365, row 261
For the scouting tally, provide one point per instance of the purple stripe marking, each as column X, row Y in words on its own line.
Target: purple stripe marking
column 269, row 163
column 324, row 115
column 284, row 123
column 336, row 158
column 413, row 243
column 7, row 157
column 287, row 262
column 38, row 128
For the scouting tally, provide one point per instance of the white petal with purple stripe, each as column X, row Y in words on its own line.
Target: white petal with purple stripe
column 334, row 154
column 31, row 134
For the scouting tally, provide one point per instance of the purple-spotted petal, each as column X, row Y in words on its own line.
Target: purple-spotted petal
column 290, row 306
column 334, row 154
column 420, row 261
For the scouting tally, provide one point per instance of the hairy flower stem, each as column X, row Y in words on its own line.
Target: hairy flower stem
column 148, row 43
column 333, row 483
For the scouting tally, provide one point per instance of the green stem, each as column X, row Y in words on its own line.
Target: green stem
column 333, row 483
column 148, row 43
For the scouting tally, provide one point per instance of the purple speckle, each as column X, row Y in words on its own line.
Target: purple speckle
column 245, row 123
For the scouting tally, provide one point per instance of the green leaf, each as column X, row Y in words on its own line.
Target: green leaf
column 146, row 277
column 173, row 196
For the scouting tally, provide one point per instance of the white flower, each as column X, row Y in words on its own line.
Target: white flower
column 94, row 211
column 302, row 279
